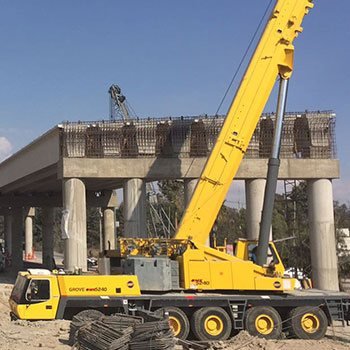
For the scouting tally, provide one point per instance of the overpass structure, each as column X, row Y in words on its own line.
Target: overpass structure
column 75, row 165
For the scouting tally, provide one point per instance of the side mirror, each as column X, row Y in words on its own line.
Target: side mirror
column 28, row 296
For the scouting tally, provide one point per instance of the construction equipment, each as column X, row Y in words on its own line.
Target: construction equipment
column 203, row 289
column 118, row 105
column 40, row 294
column 205, row 268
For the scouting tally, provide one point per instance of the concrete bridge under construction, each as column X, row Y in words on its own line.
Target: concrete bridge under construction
column 75, row 165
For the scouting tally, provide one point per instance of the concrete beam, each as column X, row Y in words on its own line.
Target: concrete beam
column 30, row 200
column 104, row 198
column 39, row 154
column 44, row 178
column 181, row 168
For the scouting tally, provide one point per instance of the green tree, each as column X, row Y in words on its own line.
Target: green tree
column 341, row 221
column 230, row 224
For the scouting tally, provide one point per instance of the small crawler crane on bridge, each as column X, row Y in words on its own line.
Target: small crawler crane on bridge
column 204, row 290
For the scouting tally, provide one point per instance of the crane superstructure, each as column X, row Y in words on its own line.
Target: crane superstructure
column 273, row 58
column 205, row 268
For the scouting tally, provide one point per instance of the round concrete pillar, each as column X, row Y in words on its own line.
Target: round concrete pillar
column 8, row 233
column 28, row 233
column 322, row 235
column 48, row 238
column 189, row 186
column 108, row 228
column 135, row 224
column 17, row 239
column 254, row 192
column 74, row 224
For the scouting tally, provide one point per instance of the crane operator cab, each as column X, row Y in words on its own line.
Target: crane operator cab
column 35, row 295
column 246, row 250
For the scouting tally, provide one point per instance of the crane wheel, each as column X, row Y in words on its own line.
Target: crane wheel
column 178, row 321
column 307, row 322
column 263, row 322
column 211, row 323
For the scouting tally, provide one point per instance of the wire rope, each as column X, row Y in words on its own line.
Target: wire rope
column 252, row 40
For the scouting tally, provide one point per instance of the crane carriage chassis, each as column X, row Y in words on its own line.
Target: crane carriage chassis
column 306, row 314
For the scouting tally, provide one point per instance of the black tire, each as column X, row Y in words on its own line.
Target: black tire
column 81, row 319
column 264, row 322
column 307, row 322
column 211, row 323
column 178, row 321
column 89, row 315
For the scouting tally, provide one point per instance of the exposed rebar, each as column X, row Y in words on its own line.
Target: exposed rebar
column 304, row 135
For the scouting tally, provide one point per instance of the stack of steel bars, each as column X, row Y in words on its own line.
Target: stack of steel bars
column 99, row 336
column 123, row 332
column 108, row 332
column 155, row 335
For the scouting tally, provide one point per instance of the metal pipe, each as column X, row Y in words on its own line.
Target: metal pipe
column 272, row 176
column 281, row 109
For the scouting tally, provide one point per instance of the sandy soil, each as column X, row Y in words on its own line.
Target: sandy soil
column 243, row 341
column 20, row 335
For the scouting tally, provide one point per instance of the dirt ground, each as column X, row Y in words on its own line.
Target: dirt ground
column 18, row 335
column 243, row 341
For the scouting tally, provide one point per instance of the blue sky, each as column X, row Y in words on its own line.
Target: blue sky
column 58, row 59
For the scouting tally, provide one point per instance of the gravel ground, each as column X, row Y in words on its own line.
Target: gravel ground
column 54, row 334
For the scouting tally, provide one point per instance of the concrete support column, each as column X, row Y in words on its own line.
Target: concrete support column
column 189, row 186
column 28, row 233
column 74, row 224
column 322, row 235
column 135, row 224
column 48, row 237
column 108, row 228
column 254, row 193
column 17, row 239
column 8, row 233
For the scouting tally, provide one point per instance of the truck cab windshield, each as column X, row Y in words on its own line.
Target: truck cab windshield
column 19, row 289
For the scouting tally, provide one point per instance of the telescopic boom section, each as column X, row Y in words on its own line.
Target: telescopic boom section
column 273, row 57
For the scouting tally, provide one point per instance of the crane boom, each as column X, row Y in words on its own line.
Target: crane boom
column 273, row 57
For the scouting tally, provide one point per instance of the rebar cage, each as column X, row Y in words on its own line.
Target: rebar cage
column 305, row 135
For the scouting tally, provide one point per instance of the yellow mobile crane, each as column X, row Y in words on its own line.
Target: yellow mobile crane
column 205, row 290
column 205, row 268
